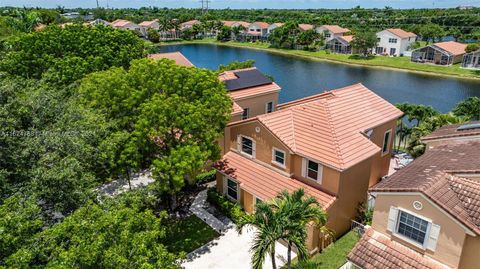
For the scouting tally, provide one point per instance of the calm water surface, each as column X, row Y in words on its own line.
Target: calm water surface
column 301, row 77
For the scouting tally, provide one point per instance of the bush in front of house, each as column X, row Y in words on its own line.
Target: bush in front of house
column 205, row 177
column 227, row 207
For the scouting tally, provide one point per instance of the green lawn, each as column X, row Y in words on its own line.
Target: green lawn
column 334, row 255
column 188, row 234
column 374, row 61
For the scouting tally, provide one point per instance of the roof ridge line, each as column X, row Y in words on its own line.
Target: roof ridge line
column 334, row 134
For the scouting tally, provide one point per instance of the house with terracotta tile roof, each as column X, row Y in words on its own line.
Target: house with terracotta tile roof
column 334, row 145
column 126, row 25
column 274, row 26
column 188, row 24
column 258, row 29
column 452, row 134
column 394, row 41
column 331, row 31
column 145, row 25
column 177, row 56
column 340, row 44
column 442, row 53
column 305, row 27
column 427, row 215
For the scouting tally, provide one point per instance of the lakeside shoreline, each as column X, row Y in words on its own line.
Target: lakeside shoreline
column 305, row 55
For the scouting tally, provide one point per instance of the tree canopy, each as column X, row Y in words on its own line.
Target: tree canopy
column 66, row 54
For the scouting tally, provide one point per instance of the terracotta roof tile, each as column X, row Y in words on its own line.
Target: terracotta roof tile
column 178, row 57
column 452, row 47
column 305, row 27
column 228, row 23
column 347, row 38
column 262, row 25
column 433, row 174
column 148, row 23
column 375, row 250
column 120, row 23
column 401, row 33
column 335, row 29
column 328, row 127
column 189, row 23
column 277, row 24
column 266, row 183
column 450, row 131
column 236, row 109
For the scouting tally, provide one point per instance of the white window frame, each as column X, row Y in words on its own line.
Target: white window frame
column 247, row 109
column 240, row 146
column 266, row 107
column 389, row 131
column 407, row 239
column 393, row 40
column 305, row 170
column 225, row 189
column 274, row 160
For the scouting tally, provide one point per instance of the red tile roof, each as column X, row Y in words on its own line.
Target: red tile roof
column 401, row 33
column 450, row 131
column 189, row 23
column 178, row 57
column 120, row 23
column 305, row 27
column 328, row 127
column 452, row 47
column 261, row 25
column 346, row 38
column 237, row 109
column 277, row 24
column 228, row 23
column 433, row 174
column 148, row 23
column 335, row 29
column 264, row 182
column 375, row 251
column 242, row 23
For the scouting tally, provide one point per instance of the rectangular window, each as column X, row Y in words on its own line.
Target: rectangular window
column 247, row 146
column 378, row 39
column 269, row 107
column 312, row 170
column 327, row 35
column 392, row 40
column 232, row 189
column 279, row 157
column 392, row 51
column 386, row 142
column 246, row 113
column 412, row 227
column 258, row 200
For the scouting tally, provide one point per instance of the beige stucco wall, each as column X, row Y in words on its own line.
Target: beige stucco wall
column 330, row 177
column 257, row 104
column 264, row 140
column 247, row 202
column 471, row 253
column 452, row 235
column 380, row 164
column 352, row 191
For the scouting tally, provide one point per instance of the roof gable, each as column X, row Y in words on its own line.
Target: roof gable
column 335, row 29
column 452, row 47
column 328, row 127
column 401, row 33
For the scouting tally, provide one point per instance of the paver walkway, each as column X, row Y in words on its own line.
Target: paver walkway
column 231, row 250
column 197, row 208
column 120, row 185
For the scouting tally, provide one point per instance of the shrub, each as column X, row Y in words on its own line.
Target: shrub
column 206, row 177
column 472, row 47
column 328, row 51
column 227, row 207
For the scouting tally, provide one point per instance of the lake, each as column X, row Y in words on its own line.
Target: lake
column 300, row 77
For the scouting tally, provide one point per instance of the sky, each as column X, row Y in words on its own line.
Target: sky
column 219, row 4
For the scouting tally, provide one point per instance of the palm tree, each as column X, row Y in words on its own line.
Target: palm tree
column 269, row 231
column 298, row 211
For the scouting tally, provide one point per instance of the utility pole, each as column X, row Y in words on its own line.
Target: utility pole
column 97, row 4
column 204, row 6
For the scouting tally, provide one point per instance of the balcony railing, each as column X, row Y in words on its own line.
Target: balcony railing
column 358, row 227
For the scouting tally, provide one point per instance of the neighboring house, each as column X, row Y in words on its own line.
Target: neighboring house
column 188, row 24
column 144, row 26
column 452, row 134
column 331, row 31
column 305, row 27
column 394, row 42
column 274, row 26
column 126, row 25
column 99, row 22
column 471, row 60
column 243, row 24
column 178, row 57
column 334, row 145
column 442, row 53
column 75, row 15
column 258, row 29
column 340, row 44
column 426, row 214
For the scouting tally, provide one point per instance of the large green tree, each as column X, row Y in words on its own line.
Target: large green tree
column 364, row 41
column 67, row 54
column 167, row 117
column 469, row 108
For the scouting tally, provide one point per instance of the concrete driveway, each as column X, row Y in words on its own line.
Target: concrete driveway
column 231, row 251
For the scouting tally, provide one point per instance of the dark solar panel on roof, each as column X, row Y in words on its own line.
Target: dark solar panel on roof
column 469, row 127
column 247, row 79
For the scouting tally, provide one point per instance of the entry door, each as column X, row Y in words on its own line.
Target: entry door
column 392, row 51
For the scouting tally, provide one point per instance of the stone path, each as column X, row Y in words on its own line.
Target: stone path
column 118, row 186
column 198, row 209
